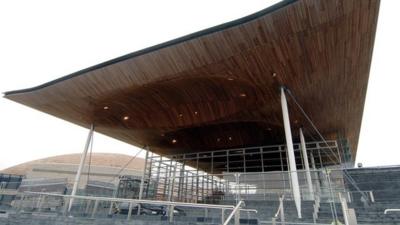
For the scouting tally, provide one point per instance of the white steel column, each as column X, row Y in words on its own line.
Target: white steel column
column 142, row 180
column 81, row 164
column 144, row 173
column 306, row 164
column 292, row 159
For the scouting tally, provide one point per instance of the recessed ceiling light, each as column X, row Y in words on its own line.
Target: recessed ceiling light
column 230, row 79
column 126, row 117
column 230, row 138
column 273, row 74
column 196, row 113
column 174, row 141
column 242, row 95
column 180, row 115
column 105, row 107
column 218, row 139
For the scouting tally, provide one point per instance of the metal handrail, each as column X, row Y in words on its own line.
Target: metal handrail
column 137, row 201
column 169, row 203
column 391, row 210
column 234, row 212
column 294, row 223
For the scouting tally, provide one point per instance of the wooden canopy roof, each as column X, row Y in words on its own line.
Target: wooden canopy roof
column 219, row 88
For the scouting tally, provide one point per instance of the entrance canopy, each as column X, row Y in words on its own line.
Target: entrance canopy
column 219, row 88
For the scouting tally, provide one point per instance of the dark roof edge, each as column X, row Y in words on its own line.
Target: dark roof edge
column 200, row 33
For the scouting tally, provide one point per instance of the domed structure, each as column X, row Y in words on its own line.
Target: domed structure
column 103, row 167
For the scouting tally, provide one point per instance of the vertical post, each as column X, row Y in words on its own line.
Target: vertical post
column 81, row 164
column 227, row 161
column 172, row 183
column 144, row 174
column 344, row 209
column 212, row 174
column 21, row 202
column 130, row 210
column 88, row 203
column 110, row 211
column 237, row 187
column 316, row 173
column 244, row 160
column 143, row 177
column 158, row 174
column 262, row 159
column 371, row 196
column 283, row 174
column 282, row 211
column 65, row 207
column 222, row 215
column 96, row 204
column 197, row 177
column 171, row 213
column 292, row 160
column 306, row 164
column 186, row 174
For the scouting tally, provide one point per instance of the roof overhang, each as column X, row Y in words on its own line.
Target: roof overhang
column 219, row 88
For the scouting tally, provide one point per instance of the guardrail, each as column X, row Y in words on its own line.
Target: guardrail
column 391, row 210
column 171, row 205
column 292, row 223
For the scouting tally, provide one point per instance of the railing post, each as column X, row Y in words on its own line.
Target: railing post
column 273, row 221
column 66, row 203
column 171, row 213
column 344, row 209
column 110, row 210
column 237, row 175
column 39, row 203
column 349, row 197
column 96, row 204
column 222, row 215
column 21, row 202
column 130, row 211
column 371, row 195
column 87, row 207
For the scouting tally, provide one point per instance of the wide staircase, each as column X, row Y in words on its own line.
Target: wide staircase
column 383, row 182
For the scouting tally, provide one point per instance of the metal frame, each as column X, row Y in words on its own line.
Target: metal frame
column 67, row 198
column 180, row 177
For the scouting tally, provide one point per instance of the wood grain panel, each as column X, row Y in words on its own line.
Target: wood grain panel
column 220, row 88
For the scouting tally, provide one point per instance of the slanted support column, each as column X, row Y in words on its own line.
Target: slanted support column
column 81, row 164
column 292, row 160
column 306, row 164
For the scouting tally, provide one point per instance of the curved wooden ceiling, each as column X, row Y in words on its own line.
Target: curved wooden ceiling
column 219, row 88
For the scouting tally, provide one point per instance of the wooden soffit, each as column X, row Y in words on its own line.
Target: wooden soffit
column 219, row 88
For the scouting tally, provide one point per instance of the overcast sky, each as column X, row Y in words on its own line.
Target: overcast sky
column 43, row 40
